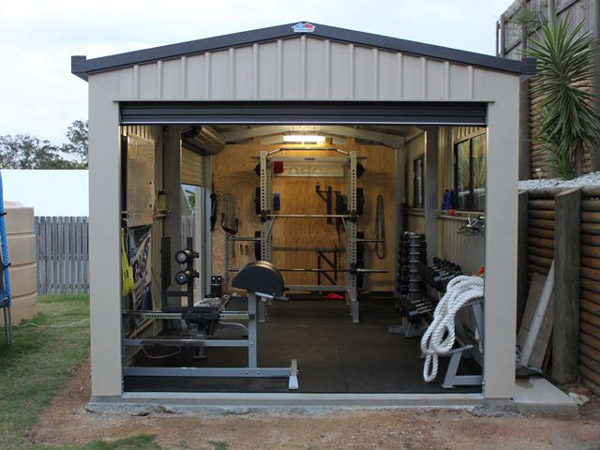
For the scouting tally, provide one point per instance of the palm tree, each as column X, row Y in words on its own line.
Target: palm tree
column 568, row 121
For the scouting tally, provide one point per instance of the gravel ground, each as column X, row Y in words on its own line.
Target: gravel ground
column 590, row 179
column 66, row 421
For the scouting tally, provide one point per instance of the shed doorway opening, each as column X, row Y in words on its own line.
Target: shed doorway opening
column 364, row 224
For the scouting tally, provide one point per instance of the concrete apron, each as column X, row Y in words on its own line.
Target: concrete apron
column 534, row 396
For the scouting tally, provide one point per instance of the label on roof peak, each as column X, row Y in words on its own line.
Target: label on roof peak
column 303, row 27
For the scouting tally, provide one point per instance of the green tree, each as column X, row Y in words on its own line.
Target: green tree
column 77, row 147
column 28, row 152
column 569, row 123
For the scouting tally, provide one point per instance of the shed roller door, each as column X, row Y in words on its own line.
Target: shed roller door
column 305, row 112
column 192, row 168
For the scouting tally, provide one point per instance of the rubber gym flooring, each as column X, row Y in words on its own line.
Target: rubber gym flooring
column 334, row 355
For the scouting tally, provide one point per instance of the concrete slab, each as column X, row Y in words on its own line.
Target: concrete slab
column 533, row 396
column 276, row 404
column 537, row 396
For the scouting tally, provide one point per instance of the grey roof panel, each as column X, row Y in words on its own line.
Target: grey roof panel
column 81, row 66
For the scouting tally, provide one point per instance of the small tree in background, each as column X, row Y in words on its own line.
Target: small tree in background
column 77, row 147
column 29, row 152
column 568, row 121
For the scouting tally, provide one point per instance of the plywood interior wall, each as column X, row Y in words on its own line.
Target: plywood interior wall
column 295, row 241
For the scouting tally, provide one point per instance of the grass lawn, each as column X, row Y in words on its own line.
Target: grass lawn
column 46, row 351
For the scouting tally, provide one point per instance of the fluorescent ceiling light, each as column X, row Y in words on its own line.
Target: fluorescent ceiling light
column 304, row 138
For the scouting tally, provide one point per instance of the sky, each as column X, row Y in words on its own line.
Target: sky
column 40, row 96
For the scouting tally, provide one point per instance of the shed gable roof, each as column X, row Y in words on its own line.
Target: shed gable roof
column 81, row 66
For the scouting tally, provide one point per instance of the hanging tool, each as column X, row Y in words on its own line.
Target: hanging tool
column 213, row 211
column 230, row 225
column 380, row 245
column 328, row 200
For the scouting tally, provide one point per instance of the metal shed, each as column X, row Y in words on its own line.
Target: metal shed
column 293, row 75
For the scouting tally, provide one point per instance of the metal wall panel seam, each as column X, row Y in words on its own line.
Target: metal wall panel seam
column 375, row 73
column 159, row 79
column 207, row 75
column 446, row 80
column 423, row 78
column 470, row 83
column 303, row 68
column 279, row 64
column 400, row 76
column 351, row 71
column 327, row 69
column 136, row 81
column 232, row 72
column 183, row 77
column 255, row 71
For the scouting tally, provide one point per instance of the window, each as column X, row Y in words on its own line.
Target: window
column 418, row 182
column 469, row 173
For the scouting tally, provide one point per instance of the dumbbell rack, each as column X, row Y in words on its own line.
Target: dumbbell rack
column 349, row 220
column 412, row 257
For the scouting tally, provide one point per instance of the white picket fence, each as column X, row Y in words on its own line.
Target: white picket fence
column 62, row 255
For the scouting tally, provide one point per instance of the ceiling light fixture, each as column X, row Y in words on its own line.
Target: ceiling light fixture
column 304, row 138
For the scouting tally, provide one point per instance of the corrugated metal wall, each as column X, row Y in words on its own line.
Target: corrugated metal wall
column 447, row 139
column 466, row 250
column 150, row 133
column 302, row 68
column 192, row 168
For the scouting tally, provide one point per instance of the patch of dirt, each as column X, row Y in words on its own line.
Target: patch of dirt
column 67, row 422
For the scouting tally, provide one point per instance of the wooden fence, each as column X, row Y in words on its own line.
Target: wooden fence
column 540, row 233
column 62, row 255
column 589, row 325
column 546, row 236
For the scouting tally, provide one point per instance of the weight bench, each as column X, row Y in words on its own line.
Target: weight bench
column 262, row 281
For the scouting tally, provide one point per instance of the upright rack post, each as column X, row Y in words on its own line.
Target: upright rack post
column 266, row 198
column 351, row 282
column 267, row 217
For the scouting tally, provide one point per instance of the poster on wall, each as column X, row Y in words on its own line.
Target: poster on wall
column 139, row 258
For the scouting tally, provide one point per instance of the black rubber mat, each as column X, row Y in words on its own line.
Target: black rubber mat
column 334, row 355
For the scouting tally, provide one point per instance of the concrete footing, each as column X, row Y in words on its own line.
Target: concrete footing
column 537, row 396
column 533, row 396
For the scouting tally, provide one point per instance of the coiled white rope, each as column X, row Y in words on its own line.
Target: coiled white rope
column 460, row 290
